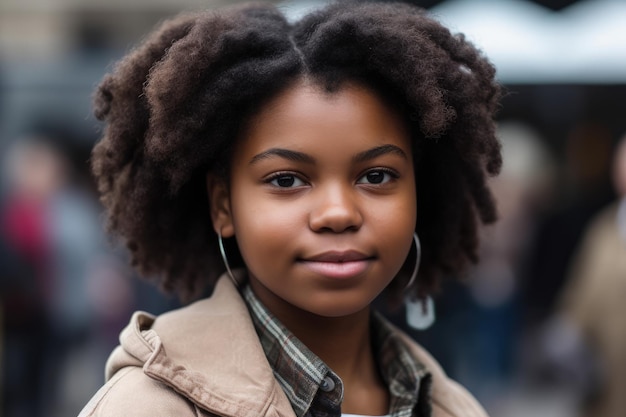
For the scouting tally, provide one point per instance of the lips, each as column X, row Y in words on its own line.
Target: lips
column 338, row 264
column 338, row 256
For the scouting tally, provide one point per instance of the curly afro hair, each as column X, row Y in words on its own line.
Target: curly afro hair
column 175, row 106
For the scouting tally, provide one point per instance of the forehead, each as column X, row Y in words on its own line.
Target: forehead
column 305, row 115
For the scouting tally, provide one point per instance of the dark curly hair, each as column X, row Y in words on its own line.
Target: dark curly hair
column 175, row 106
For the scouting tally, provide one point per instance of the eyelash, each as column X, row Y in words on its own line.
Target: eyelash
column 299, row 177
column 393, row 174
column 283, row 174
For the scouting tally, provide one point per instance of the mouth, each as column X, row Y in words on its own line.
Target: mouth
column 338, row 264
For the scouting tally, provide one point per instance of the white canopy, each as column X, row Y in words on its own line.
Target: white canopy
column 584, row 43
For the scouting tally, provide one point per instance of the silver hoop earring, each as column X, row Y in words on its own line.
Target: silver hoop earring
column 418, row 256
column 420, row 313
column 225, row 260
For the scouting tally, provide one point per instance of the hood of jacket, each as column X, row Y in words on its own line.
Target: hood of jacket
column 223, row 371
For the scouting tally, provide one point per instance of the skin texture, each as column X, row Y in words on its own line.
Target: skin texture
column 174, row 108
column 347, row 193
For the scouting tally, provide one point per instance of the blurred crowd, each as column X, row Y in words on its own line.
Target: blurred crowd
column 65, row 292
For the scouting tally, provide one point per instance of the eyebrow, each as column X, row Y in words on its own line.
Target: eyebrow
column 303, row 157
column 379, row 151
column 285, row 154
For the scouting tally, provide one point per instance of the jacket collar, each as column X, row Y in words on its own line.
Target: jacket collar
column 177, row 350
column 223, row 370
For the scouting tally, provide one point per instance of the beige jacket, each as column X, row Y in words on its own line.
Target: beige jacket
column 206, row 360
column 594, row 298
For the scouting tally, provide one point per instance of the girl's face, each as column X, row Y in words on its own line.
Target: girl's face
column 321, row 200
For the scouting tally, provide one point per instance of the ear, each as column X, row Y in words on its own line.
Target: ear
column 219, row 202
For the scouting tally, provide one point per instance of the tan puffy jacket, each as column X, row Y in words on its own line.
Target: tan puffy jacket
column 206, row 360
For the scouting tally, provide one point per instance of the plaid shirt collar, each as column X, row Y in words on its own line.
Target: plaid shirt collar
column 314, row 390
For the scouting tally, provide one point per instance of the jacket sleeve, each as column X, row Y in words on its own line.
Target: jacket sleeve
column 132, row 393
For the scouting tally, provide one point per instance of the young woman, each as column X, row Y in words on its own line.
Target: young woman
column 312, row 165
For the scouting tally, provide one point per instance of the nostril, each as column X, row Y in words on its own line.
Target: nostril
column 336, row 219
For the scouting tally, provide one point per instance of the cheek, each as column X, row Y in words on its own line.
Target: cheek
column 396, row 214
column 263, row 227
column 393, row 223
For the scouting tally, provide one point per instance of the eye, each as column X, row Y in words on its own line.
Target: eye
column 283, row 180
column 377, row 176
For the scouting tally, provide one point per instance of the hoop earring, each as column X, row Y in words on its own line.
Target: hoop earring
column 418, row 256
column 420, row 313
column 225, row 260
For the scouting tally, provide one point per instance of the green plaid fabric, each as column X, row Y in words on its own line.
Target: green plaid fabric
column 314, row 390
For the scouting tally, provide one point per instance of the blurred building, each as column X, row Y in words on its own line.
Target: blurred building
column 48, row 29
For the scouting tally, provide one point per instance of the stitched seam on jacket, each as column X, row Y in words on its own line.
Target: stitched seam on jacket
column 162, row 371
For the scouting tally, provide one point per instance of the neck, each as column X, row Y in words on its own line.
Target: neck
column 343, row 343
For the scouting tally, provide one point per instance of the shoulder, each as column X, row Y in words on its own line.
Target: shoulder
column 132, row 393
column 449, row 398
column 604, row 221
column 599, row 246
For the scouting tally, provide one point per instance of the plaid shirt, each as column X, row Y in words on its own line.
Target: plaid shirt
column 314, row 390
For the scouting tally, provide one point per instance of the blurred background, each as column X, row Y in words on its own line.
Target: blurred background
column 535, row 329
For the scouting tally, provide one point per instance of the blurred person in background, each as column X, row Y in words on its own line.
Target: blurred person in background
column 33, row 175
column 53, row 272
column 587, row 337
column 522, row 192
column 584, row 188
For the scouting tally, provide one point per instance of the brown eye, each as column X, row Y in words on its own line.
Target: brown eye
column 286, row 181
column 377, row 176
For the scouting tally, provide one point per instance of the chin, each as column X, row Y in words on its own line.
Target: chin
column 341, row 309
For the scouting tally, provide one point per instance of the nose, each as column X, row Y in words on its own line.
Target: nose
column 335, row 209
